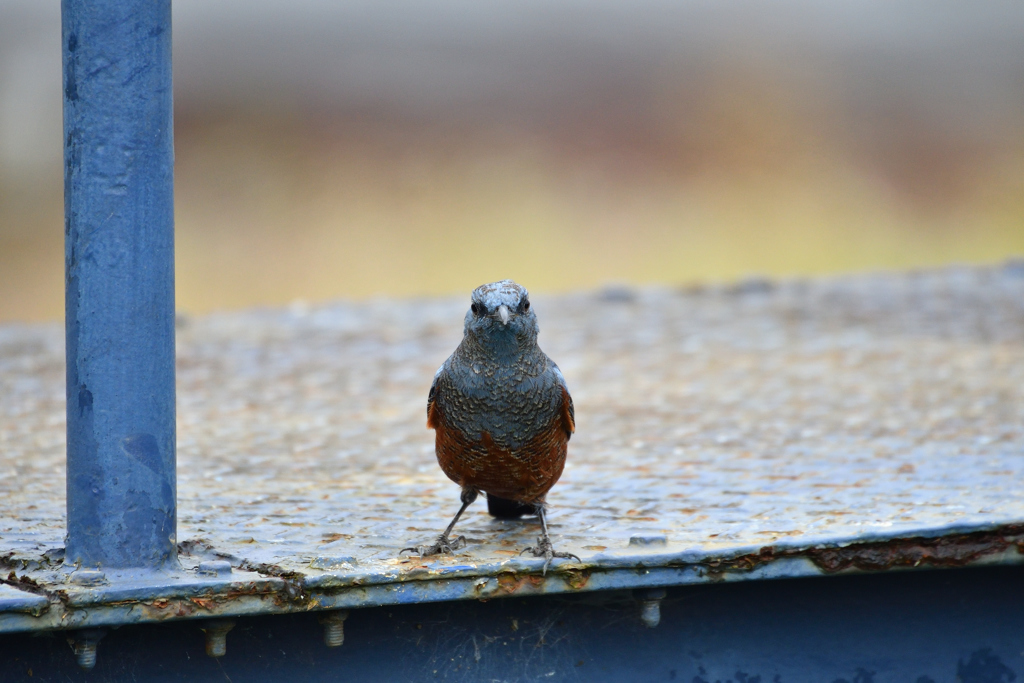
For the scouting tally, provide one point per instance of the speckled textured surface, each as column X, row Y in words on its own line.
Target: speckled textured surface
column 791, row 414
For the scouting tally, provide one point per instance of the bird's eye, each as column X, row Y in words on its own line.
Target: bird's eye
column 476, row 308
column 526, row 306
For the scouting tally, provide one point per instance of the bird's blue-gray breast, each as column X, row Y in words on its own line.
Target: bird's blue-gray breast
column 512, row 402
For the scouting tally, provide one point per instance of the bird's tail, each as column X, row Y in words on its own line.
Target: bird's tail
column 502, row 508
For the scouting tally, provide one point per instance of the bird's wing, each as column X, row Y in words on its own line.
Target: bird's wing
column 431, row 423
column 568, row 411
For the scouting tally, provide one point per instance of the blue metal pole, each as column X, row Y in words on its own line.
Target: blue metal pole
column 119, row 269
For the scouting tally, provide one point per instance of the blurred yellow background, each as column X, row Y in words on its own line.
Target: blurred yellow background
column 343, row 151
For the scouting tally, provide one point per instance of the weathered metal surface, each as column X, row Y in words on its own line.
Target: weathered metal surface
column 119, row 266
column 961, row 625
column 759, row 431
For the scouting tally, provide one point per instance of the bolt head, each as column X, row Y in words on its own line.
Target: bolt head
column 88, row 577
column 214, row 568
column 645, row 540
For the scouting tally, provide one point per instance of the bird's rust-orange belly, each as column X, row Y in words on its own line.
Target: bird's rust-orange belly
column 523, row 474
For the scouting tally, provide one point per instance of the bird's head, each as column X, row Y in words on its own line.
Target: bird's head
column 501, row 315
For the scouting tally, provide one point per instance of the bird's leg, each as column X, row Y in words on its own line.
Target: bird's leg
column 443, row 544
column 543, row 547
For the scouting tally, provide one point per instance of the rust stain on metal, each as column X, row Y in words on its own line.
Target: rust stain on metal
column 208, row 604
column 946, row 551
column 510, row 582
column 576, row 578
column 163, row 609
column 742, row 563
column 160, row 609
column 954, row 550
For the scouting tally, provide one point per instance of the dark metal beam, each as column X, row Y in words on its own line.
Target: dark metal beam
column 911, row 627
column 119, row 269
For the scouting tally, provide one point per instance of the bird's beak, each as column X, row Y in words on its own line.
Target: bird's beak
column 503, row 314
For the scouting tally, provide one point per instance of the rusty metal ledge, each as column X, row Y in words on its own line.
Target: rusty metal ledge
column 766, row 430
column 131, row 598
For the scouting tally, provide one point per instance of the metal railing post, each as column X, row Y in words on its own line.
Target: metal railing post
column 119, row 270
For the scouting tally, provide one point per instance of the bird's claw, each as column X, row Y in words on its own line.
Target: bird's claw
column 544, row 549
column 443, row 545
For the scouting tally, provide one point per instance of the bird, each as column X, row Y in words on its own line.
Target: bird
column 502, row 416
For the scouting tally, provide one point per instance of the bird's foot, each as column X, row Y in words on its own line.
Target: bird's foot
column 443, row 545
column 544, row 549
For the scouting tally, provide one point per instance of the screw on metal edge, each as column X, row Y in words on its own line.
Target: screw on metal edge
column 217, row 636
column 334, row 627
column 84, row 644
column 650, row 605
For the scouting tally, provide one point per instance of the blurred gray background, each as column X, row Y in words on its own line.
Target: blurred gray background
column 349, row 149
